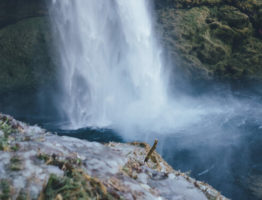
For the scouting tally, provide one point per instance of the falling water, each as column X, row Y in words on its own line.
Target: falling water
column 111, row 63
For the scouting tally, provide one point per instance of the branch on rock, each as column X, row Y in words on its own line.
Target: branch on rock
column 151, row 151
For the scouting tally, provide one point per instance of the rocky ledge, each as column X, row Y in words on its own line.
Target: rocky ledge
column 35, row 164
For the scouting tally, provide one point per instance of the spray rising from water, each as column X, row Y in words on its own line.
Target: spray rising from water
column 111, row 62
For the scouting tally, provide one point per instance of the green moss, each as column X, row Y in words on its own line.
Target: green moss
column 44, row 157
column 23, row 195
column 214, row 39
column 15, row 148
column 76, row 186
column 5, row 190
column 15, row 163
column 6, row 128
column 25, row 57
column 3, row 143
column 67, row 164
column 233, row 17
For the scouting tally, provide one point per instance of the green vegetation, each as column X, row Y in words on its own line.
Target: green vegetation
column 6, row 127
column 7, row 130
column 77, row 185
column 44, row 157
column 5, row 190
column 25, row 56
column 15, row 147
column 66, row 164
column 15, row 163
column 214, row 39
column 23, row 195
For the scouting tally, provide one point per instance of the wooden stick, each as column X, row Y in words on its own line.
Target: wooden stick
column 151, row 150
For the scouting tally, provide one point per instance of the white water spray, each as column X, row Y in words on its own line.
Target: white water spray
column 111, row 63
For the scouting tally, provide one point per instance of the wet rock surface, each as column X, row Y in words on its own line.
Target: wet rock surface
column 35, row 164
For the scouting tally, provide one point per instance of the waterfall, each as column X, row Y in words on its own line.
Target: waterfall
column 111, row 65
column 112, row 77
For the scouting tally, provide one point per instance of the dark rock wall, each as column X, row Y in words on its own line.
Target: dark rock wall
column 25, row 43
column 24, row 54
column 207, row 40
column 27, row 61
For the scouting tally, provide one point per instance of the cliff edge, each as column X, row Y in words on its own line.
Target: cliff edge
column 35, row 164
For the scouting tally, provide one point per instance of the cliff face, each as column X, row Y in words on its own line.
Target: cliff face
column 25, row 40
column 12, row 11
column 213, row 39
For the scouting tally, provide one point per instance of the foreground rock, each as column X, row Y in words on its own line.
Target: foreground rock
column 35, row 164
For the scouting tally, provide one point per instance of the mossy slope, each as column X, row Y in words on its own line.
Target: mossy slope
column 214, row 39
column 25, row 60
